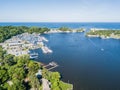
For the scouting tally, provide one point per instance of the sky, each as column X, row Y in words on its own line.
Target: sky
column 59, row 10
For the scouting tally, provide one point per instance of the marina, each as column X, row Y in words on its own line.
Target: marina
column 23, row 43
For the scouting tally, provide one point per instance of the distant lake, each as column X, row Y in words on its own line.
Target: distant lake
column 87, row 63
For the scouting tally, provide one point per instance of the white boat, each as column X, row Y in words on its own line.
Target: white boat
column 102, row 49
column 33, row 55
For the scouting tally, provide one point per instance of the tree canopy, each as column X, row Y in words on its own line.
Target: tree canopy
column 7, row 32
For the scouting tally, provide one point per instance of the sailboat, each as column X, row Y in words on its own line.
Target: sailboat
column 102, row 49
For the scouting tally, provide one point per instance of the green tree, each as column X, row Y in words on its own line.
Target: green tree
column 34, row 82
column 16, row 72
column 17, row 85
column 64, row 29
column 2, row 52
column 22, row 60
column 8, row 59
column 19, row 73
column 33, row 67
column 3, row 76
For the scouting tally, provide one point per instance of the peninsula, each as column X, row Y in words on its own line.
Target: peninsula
column 65, row 30
column 104, row 33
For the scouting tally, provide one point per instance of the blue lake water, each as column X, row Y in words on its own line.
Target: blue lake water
column 87, row 63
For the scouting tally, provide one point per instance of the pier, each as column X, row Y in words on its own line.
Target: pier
column 45, row 49
column 51, row 65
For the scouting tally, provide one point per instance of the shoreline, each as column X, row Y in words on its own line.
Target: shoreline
column 102, row 37
column 80, row 30
column 104, row 33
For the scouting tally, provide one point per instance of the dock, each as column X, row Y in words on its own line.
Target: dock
column 51, row 65
column 45, row 49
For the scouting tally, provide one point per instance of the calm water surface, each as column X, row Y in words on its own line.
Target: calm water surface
column 83, row 62
column 87, row 63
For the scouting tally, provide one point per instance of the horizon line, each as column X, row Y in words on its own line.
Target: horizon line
column 59, row 22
